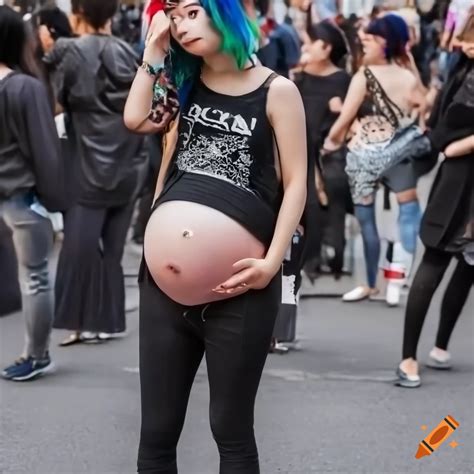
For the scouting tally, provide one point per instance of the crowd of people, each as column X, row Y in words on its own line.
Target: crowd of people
column 275, row 129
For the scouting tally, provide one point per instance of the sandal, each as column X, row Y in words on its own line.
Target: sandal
column 74, row 338
column 79, row 338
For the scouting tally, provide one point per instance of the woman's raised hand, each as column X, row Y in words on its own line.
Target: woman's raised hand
column 157, row 42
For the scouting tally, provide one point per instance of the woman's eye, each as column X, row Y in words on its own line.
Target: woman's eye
column 193, row 14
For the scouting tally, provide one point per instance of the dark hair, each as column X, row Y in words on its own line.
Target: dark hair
column 394, row 30
column 55, row 20
column 331, row 35
column 16, row 45
column 96, row 12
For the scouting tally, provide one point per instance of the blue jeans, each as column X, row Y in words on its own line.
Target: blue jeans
column 409, row 224
column 33, row 241
column 365, row 214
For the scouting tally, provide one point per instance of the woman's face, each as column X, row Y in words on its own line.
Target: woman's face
column 192, row 28
column 373, row 47
column 316, row 51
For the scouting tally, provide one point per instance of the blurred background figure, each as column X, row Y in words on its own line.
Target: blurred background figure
column 448, row 225
column 323, row 84
column 96, row 73
column 32, row 177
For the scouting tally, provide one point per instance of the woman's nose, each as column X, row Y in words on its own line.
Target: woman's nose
column 181, row 29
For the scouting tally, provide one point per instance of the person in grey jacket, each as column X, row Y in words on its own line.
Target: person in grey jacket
column 93, row 79
column 32, row 181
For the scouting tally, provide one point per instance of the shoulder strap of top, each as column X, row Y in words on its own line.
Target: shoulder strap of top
column 381, row 100
column 269, row 80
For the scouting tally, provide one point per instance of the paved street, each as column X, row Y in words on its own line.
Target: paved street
column 328, row 407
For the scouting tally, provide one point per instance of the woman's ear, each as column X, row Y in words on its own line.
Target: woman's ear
column 327, row 49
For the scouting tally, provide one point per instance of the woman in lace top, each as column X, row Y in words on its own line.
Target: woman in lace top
column 382, row 96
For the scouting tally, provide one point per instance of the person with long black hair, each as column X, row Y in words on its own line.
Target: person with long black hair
column 31, row 180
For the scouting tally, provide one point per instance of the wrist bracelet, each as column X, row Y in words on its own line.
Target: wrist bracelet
column 152, row 71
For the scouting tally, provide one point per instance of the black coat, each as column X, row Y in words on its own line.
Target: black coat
column 449, row 217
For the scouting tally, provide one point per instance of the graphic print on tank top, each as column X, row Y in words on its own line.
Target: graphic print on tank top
column 224, row 152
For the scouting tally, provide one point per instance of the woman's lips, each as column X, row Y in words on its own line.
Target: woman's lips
column 189, row 42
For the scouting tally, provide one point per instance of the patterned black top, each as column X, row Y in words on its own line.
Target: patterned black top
column 225, row 159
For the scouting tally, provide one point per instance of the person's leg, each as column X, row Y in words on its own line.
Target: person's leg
column 365, row 215
column 426, row 281
column 114, row 235
column 409, row 223
column 78, row 277
column 170, row 353
column 33, row 241
column 454, row 299
column 237, row 336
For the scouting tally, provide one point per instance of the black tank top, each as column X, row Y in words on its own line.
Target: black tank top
column 224, row 158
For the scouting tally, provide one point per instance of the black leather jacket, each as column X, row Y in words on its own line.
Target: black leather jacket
column 92, row 78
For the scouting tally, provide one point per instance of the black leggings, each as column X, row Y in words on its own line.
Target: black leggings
column 426, row 281
column 235, row 336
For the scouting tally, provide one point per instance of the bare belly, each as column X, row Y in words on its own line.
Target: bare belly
column 190, row 249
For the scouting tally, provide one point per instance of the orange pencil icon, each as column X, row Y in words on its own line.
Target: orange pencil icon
column 437, row 437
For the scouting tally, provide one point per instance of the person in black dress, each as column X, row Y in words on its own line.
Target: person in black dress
column 447, row 228
column 323, row 84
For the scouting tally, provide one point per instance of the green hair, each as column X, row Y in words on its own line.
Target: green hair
column 239, row 40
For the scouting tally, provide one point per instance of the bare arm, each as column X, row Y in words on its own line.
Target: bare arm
column 354, row 98
column 140, row 99
column 462, row 147
column 418, row 102
column 286, row 113
column 138, row 106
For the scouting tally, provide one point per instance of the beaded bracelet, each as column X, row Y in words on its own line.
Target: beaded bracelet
column 152, row 71
column 165, row 97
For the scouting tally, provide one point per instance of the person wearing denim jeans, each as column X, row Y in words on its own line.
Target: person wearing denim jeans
column 33, row 241
column 32, row 179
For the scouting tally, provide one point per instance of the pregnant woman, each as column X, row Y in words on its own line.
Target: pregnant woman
column 229, row 198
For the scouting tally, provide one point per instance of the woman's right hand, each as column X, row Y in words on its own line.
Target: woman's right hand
column 157, row 42
column 329, row 146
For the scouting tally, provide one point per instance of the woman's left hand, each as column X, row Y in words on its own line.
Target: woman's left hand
column 252, row 274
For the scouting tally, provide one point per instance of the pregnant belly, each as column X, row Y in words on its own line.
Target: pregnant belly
column 190, row 249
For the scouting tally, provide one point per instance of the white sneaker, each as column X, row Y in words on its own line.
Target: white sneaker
column 89, row 337
column 392, row 296
column 357, row 294
column 439, row 360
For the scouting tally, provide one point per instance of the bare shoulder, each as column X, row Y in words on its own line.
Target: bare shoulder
column 282, row 89
column 359, row 77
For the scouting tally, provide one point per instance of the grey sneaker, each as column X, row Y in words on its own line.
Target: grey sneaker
column 407, row 381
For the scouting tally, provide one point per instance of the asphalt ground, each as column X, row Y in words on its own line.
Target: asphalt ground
column 329, row 406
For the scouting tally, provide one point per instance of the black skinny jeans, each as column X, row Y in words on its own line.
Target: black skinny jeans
column 427, row 279
column 235, row 336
